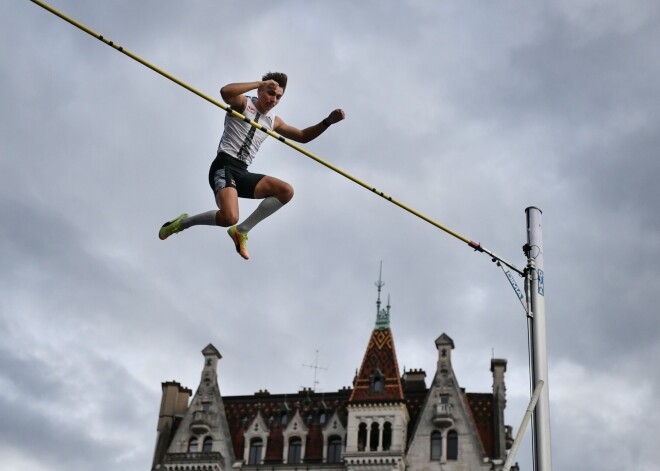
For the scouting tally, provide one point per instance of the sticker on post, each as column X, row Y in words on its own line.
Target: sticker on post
column 514, row 285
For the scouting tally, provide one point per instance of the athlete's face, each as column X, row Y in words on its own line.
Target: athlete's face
column 268, row 97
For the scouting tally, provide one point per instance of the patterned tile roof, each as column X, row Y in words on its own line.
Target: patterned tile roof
column 379, row 364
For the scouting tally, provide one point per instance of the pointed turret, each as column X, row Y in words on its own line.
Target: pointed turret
column 203, row 434
column 377, row 413
column 378, row 379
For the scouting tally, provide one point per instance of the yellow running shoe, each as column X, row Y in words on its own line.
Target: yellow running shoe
column 240, row 241
column 171, row 227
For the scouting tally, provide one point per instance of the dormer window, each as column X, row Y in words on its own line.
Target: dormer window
column 256, row 446
column 295, row 451
column 334, row 449
column 377, row 382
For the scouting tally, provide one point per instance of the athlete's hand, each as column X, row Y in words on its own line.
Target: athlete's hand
column 269, row 85
column 336, row 116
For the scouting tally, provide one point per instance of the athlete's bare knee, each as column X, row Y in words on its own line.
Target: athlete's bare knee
column 285, row 194
column 226, row 218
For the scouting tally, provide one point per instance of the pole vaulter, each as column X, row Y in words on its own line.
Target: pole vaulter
column 533, row 273
column 475, row 245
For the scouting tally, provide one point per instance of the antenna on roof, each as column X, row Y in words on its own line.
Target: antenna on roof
column 316, row 368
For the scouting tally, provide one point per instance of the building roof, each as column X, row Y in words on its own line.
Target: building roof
column 378, row 379
column 480, row 406
column 315, row 407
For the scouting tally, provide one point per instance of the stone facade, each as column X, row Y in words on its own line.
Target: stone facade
column 385, row 422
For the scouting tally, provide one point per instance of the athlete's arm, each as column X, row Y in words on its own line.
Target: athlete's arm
column 234, row 93
column 309, row 133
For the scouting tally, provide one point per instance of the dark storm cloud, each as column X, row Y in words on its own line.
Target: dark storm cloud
column 45, row 410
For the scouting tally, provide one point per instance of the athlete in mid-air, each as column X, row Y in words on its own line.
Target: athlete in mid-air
column 229, row 177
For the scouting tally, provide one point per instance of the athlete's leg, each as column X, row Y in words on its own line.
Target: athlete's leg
column 227, row 215
column 201, row 219
column 227, row 201
column 271, row 186
column 276, row 194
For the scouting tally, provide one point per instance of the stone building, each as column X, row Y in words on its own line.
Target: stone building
column 386, row 422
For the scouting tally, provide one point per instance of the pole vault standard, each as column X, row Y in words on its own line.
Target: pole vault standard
column 535, row 287
column 475, row 245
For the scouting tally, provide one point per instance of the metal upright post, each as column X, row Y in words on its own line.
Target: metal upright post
column 535, row 267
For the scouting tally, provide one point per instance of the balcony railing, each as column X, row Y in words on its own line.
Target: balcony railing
column 203, row 421
column 442, row 416
column 212, row 457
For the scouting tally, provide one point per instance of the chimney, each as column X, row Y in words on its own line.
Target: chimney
column 498, row 367
column 174, row 402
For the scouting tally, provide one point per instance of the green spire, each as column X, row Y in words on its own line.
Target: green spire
column 382, row 315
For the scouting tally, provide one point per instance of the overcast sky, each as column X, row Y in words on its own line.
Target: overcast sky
column 467, row 111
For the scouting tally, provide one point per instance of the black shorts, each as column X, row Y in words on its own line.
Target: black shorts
column 226, row 171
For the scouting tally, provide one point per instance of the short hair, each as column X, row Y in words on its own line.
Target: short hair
column 279, row 77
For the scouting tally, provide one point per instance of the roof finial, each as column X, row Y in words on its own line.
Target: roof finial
column 379, row 284
column 382, row 315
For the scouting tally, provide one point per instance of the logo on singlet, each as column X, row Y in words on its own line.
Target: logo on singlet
column 245, row 148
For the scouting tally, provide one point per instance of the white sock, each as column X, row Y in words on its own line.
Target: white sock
column 202, row 219
column 267, row 207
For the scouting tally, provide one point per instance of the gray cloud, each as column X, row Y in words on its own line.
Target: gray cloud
column 466, row 112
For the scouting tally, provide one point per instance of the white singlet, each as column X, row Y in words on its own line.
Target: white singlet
column 240, row 139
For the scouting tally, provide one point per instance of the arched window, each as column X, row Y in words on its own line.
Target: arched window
column 387, row 436
column 378, row 384
column 362, row 437
column 284, row 418
column 334, row 449
column 256, row 445
column 208, row 445
column 322, row 417
column 452, row 445
column 436, row 445
column 193, row 444
column 373, row 439
column 295, row 451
